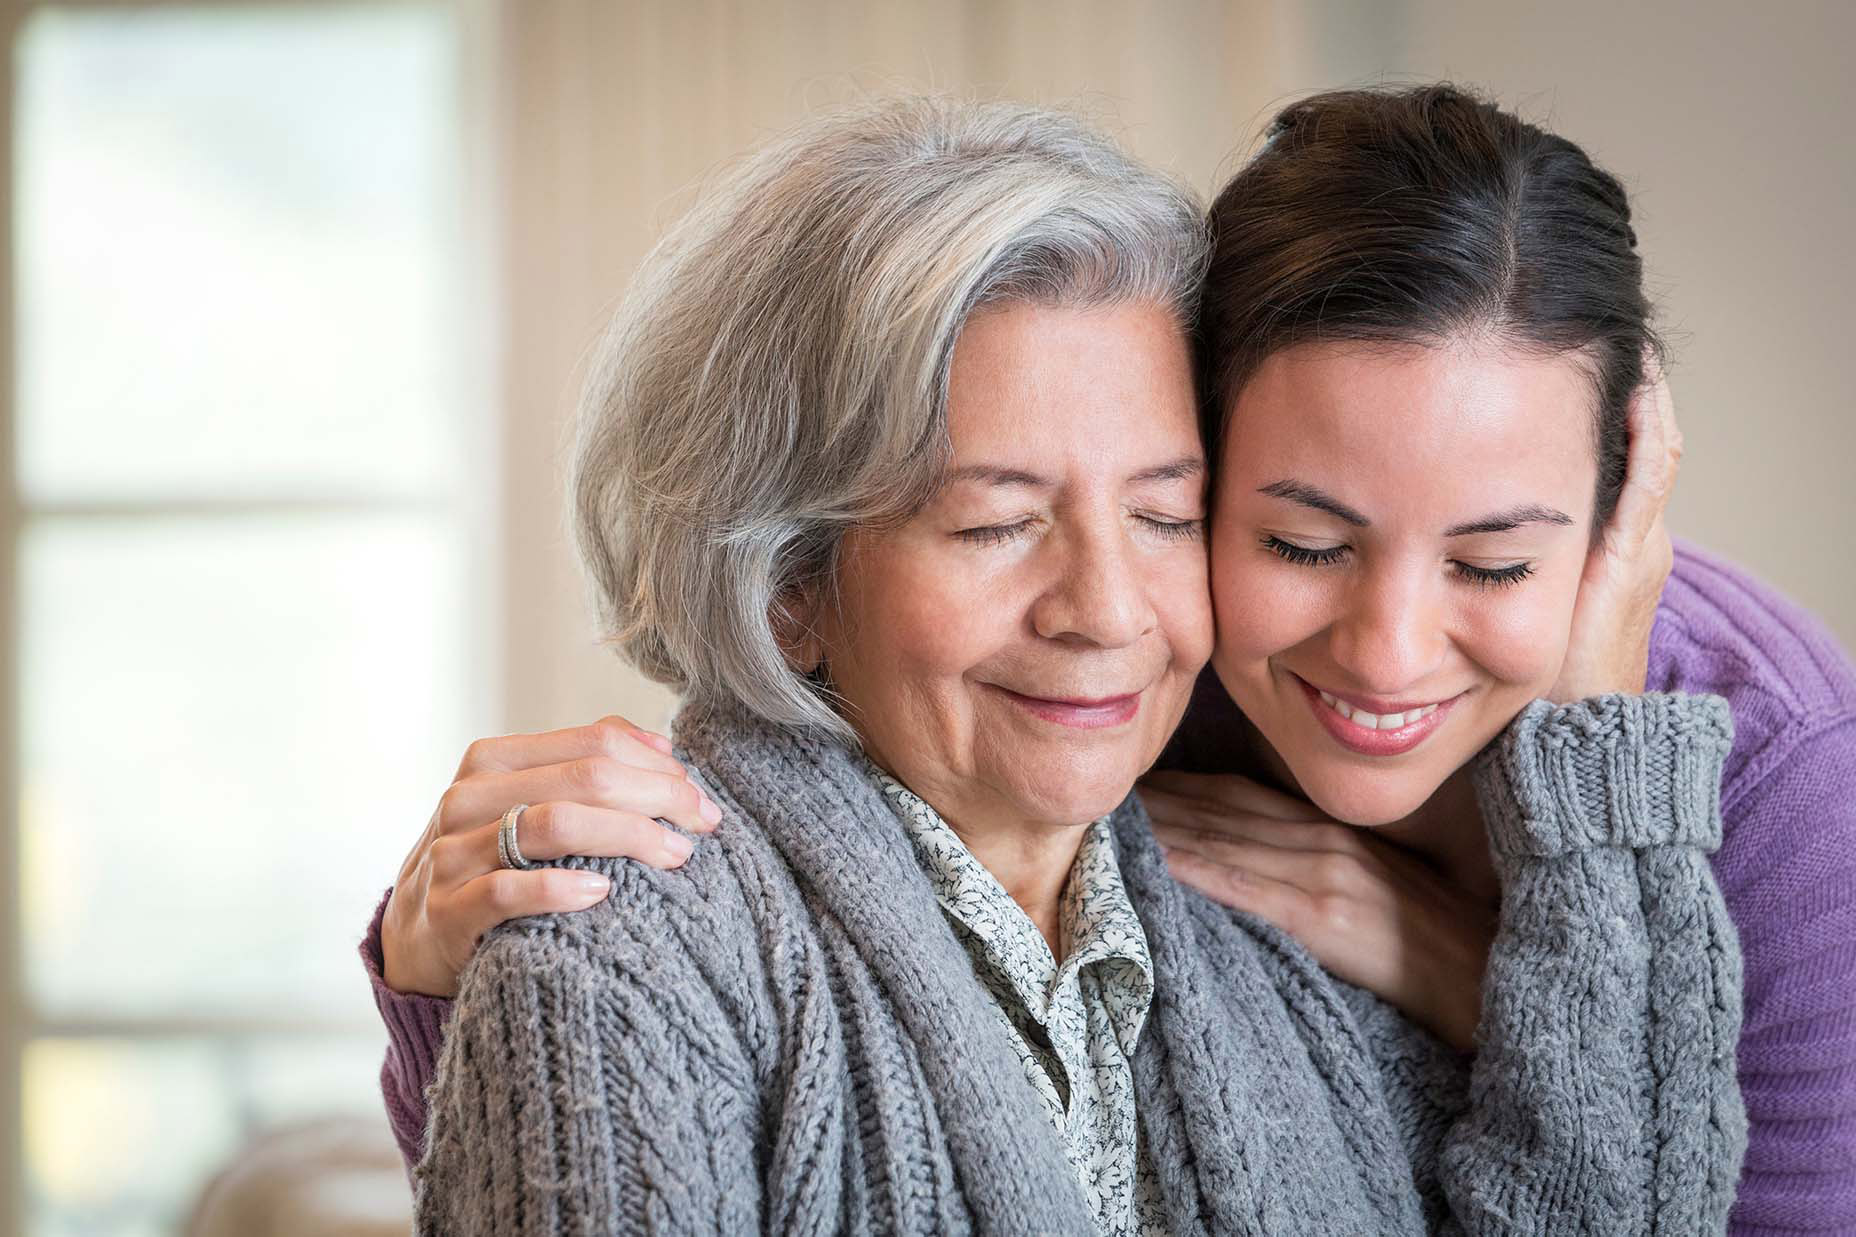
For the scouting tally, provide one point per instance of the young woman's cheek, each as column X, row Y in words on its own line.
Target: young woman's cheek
column 1518, row 635
column 1264, row 606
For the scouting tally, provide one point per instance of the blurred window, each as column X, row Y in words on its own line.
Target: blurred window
column 245, row 424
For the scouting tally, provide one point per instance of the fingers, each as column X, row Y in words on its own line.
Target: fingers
column 1352, row 873
column 1655, row 453
column 1241, row 890
column 505, row 894
column 1239, row 794
column 1178, row 820
column 1662, row 402
column 596, row 781
column 609, row 736
column 556, row 829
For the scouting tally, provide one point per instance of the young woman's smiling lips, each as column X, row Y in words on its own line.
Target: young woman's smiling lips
column 1365, row 730
column 1096, row 714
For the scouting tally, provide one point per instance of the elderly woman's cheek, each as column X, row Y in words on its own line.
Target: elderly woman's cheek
column 929, row 627
column 1188, row 616
column 900, row 635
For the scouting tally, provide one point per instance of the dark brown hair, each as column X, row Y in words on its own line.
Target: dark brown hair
column 1413, row 215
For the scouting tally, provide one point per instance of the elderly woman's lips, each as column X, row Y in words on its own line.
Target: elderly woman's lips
column 1095, row 714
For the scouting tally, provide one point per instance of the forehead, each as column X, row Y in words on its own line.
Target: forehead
column 1047, row 382
column 1467, row 419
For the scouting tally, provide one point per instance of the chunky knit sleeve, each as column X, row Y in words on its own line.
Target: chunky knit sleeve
column 587, row 1091
column 1602, row 1097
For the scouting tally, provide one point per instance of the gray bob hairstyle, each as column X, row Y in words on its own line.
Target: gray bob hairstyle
column 777, row 374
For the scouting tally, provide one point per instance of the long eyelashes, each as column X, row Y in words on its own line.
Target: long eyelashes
column 1176, row 530
column 994, row 534
column 1494, row 577
column 1302, row 554
column 1327, row 556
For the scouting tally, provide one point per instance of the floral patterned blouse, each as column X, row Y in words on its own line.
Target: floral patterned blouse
column 1075, row 1026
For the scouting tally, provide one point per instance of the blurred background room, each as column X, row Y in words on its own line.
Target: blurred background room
column 298, row 297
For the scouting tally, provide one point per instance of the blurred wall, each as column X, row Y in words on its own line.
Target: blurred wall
column 1725, row 122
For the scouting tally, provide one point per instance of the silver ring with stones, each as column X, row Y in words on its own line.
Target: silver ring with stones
column 506, row 849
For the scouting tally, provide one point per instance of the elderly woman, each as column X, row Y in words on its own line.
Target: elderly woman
column 892, row 466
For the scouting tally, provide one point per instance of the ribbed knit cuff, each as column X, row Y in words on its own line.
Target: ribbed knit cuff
column 415, row 1033
column 1624, row 771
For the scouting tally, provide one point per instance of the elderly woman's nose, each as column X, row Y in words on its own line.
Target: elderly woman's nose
column 1097, row 593
column 1390, row 635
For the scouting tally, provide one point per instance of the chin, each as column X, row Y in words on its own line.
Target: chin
column 1064, row 798
column 1063, row 807
column 1365, row 801
column 1073, row 783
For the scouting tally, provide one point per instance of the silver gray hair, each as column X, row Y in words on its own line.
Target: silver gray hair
column 777, row 373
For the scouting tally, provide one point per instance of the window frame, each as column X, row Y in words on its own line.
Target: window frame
column 473, row 506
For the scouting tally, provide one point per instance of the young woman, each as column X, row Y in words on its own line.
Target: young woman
column 1424, row 321
column 1414, row 304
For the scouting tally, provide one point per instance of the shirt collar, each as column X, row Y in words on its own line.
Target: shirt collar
column 1098, row 921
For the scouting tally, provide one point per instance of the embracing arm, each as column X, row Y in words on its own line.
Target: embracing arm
column 415, row 1032
column 587, row 1090
column 595, row 790
column 1602, row 1097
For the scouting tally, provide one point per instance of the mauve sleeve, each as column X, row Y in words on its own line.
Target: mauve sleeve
column 415, row 1033
column 1796, row 914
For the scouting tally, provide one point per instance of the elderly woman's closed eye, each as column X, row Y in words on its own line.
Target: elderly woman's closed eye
column 891, row 465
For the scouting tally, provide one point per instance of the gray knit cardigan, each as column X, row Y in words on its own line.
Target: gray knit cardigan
column 783, row 1035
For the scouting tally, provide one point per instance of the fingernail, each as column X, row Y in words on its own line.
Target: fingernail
column 677, row 846
column 709, row 811
column 654, row 739
column 593, row 882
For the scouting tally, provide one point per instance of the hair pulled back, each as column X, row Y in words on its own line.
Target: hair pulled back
column 1419, row 215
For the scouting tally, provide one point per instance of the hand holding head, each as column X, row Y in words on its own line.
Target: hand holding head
column 1609, row 650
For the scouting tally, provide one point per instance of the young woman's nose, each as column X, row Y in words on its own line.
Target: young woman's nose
column 1390, row 636
column 1096, row 592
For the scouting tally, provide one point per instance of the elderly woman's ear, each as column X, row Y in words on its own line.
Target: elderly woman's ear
column 795, row 626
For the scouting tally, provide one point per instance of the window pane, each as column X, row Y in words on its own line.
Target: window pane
column 233, row 731
column 232, row 230
column 121, row 1135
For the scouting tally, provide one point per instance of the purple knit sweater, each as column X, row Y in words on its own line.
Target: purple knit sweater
column 1787, row 869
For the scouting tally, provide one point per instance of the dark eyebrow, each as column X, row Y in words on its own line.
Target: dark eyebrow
column 1514, row 517
column 1309, row 496
column 1499, row 522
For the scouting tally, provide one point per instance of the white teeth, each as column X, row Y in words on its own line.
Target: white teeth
column 1375, row 721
